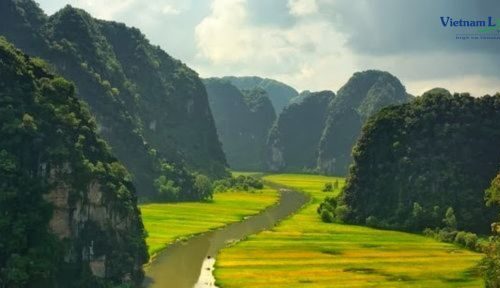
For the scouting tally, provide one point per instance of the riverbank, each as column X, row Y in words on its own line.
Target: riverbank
column 302, row 250
column 180, row 265
column 167, row 222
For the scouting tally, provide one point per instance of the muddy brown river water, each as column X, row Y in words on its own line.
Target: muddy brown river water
column 189, row 264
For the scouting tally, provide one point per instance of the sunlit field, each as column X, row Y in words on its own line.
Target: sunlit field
column 304, row 252
column 167, row 222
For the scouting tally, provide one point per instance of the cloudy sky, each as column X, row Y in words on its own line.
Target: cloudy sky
column 317, row 44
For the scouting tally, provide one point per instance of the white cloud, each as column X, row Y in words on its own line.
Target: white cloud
column 308, row 55
column 222, row 37
column 302, row 7
column 170, row 9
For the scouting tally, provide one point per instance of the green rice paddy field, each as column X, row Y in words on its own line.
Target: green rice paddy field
column 168, row 222
column 302, row 251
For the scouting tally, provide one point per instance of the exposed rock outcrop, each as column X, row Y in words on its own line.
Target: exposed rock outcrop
column 293, row 140
column 243, row 119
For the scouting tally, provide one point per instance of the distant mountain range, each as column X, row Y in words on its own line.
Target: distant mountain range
column 279, row 93
column 313, row 131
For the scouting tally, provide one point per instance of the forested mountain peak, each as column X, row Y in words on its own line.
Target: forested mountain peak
column 368, row 91
column 300, row 97
column 135, row 90
column 437, row 91
column 279, row 93
column 363, row 95
column 424, row 152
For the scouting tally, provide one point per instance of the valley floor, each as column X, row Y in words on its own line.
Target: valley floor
column 168, row 222
column 302, row 251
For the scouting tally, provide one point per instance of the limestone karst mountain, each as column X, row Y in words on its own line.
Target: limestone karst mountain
column 151, row 109
column 243, row 119
column 293, row 140
column 69, row 216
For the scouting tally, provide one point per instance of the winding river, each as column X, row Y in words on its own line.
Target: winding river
column 188, row 264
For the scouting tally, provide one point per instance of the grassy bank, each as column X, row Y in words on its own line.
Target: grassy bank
column 170, row 221
column 305, row 252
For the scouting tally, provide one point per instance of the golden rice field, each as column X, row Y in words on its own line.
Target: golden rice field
column 302, row 251
column 168, row 222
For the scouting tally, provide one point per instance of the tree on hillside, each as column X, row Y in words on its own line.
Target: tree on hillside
column 449, row 219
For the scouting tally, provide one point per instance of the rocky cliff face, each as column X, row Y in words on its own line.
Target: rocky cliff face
column 69, row 216
column 293, row 141
column 243, row 119
column 86, row 224
column 150, row 107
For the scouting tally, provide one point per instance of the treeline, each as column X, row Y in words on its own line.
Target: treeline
column 279, row 93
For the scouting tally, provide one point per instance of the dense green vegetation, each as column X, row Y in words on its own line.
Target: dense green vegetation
column 243, row 119
column 293, row 140
column 168, row 222
column 491, row 263
column 418, row 164
column 302, row 95
column 152, row 109
column 238, row 183
column 362, row 96
column 279, row 93
column 66, row 204
column 303, row 251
